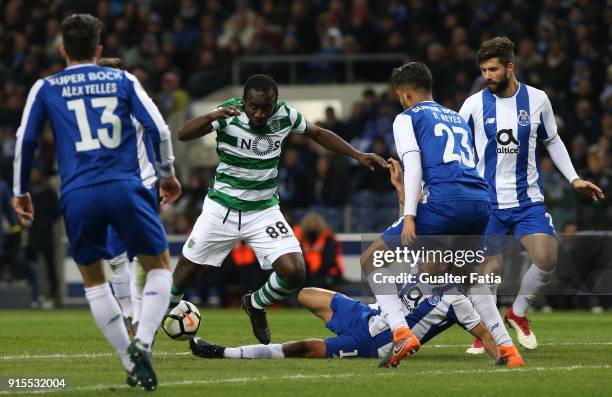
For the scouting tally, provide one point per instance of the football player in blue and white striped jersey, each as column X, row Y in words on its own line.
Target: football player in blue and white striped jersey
column 361, row 330
column 127, row 277
column 507, row 119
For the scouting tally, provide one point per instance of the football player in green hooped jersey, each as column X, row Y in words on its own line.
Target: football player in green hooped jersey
column 243, row 202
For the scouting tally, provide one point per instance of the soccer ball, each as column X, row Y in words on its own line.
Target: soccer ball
column 182, row 322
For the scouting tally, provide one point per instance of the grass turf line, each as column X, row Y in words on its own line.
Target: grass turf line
column 558, row 368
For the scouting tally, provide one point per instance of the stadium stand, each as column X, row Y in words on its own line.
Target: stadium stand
column 184, row 50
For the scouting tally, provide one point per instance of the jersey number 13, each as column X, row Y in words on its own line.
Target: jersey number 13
column 110, row 140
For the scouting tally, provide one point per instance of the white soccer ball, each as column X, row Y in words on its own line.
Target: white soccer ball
column 182, row 322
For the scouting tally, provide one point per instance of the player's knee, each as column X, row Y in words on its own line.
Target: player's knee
column 365, row 260
column 372, row 257
column 93, row 275
column 546, row 261
column 292, row 271
column 492, row 264
column 305, row 295
column 152, row 262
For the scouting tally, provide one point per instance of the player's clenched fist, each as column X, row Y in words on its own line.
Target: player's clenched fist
column 225, row 112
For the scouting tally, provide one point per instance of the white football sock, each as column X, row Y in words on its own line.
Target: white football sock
column 155, row 298
column 483, row 302
column 107, row 314
column 533, row 282
column 493, row 288
column 389, row 302
column 120, row 280
column 255, row 351
column 137, row 278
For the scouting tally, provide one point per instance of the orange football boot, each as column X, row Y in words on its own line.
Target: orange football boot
column 404, row 344
column 509, row 357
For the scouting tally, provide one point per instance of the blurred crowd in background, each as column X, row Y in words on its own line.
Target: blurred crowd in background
column 183, row 50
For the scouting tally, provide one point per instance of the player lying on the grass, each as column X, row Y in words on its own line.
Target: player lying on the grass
column 360, row 329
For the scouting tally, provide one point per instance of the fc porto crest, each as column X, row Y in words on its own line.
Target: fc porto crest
column 434, row 299
column 523, row 118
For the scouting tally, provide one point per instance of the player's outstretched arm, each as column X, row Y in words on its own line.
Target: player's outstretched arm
column 397, row 180
column 481, row 332
column 333, row 142
column 559, row 155
column 199, row 126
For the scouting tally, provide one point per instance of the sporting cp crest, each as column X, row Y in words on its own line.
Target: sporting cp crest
column 191, row 243
column 274, row 126
column 523, row 118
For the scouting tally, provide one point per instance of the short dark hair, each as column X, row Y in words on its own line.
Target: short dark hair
column 115, row 63
column 497, row 47
column 260, row 82
column 81, row 35
column 415, row 75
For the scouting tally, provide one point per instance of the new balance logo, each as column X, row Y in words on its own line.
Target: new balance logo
column 490, row 120
column 115, row 318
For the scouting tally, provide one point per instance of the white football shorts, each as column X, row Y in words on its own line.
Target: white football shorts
column 218, row 228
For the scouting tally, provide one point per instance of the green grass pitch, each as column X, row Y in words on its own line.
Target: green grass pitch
column 574, row 359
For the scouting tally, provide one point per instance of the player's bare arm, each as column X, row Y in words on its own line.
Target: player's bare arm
column 397, row 180
column 561, row 158
column 199, row 126
column 481, row 332
column 333, row 142
column 408, row 230
column 412, row 192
